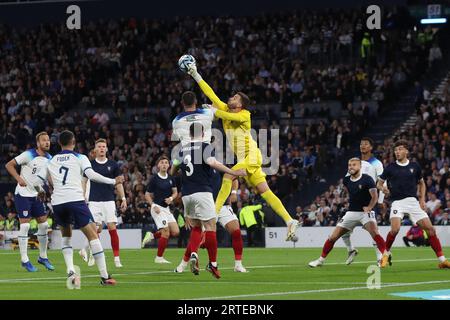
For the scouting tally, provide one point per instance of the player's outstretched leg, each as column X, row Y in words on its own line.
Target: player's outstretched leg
column 372, row 228
column 435, row 244
column 23, row 247
column 352, row 251
column 277, row 206
column 42, row 236
column 149, row 236
column 328, row 246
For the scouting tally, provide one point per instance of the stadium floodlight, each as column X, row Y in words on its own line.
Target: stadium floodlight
column 433, row 20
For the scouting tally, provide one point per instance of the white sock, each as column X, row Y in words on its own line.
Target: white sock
column 183, row 263
column 441, row 258
column 348, row 243
column 214, row 264
column 238, row 263
column 321, row 259
column 117, row 258
column 67, row 251
column 43, row 239
column 23, row 241
column 378, row 252
column 99, row 256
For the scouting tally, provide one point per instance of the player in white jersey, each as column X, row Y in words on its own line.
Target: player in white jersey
column 374, row 168
column 27, row 201
column 65, row 172
column 192, row 113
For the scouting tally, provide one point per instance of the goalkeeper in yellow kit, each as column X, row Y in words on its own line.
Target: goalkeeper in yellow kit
column 237, row 124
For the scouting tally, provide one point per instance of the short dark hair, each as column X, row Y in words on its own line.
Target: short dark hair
column 401, row 142
column 188, row 98
column 245, row 100
column 369, row 140
column 65, row 138
column 40, row 134
column 196, row 129
column 163, row 157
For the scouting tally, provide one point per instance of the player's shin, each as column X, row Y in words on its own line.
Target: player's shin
column 42, row 236
column 99, row 256
column 381, row 245
column 348, row 242
column 114, row 241
column 390, row 238
column 67, row 251
column 162, row 245
column 437, row 248
column 327, row 247
column 277, row 206
column 237, row 244
column 211, row 246
column 224, row 193
column 23, row 241
column 195, row 239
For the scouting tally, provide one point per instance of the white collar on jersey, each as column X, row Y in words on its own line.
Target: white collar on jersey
column 360, row 175
column 163, row 177
column 402, row 164
column 101, row 162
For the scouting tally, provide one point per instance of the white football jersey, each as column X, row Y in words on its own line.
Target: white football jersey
column 183, row 121
column 31, row 164
column 66, row 170
column 372, row 167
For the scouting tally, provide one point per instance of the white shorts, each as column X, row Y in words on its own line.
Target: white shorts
column 226, row 215
column 410, row 206
column 199, row 205
column 103, row 211
column 163, row 218
column 352, row 219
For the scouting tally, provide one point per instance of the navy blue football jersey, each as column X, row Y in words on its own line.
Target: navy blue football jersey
column 402, row 180
column 358, row 191
column 196, row 173
column 161, row 188
column 101, row 191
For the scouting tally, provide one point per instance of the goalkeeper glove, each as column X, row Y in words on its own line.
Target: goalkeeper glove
column 192, row 71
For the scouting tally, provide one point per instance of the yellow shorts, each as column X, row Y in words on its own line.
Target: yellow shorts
column 255, row 174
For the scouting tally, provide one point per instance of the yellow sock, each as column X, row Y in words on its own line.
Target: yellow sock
column 275, row 203
column 224, row 192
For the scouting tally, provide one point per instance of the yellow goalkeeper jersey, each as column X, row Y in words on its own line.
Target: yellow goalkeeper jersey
column 237, row 126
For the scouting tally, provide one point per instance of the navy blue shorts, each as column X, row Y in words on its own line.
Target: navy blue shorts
column 74, row 213
column 29, row 207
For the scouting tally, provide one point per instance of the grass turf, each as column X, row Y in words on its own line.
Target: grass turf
column 274, row 274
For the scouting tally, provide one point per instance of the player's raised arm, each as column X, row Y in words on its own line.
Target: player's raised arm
column 242, row 116
column 207, row 90
column 96, row 177
column 213, row 163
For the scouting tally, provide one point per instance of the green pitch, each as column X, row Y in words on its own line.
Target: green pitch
column 274, row 274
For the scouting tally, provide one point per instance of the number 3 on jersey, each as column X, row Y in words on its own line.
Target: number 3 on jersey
column 66, row 170
column 188, row 162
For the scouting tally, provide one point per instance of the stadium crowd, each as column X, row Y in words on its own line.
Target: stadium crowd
column 86, row 82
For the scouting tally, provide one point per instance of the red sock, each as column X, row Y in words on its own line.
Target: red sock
column 390, row 240
column 436, row 245
column 157, row 234
column 236, row 240
column 194, row 242
column 381, row 245
column 211, row 245
column 162, row 245
column 327, row 247
column 114, row 242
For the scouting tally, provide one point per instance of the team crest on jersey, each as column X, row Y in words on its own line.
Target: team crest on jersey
column 360, row 186
column 109, row 168
column 191, row 118
column 170, row 182
column 25, row 213
column 412, row 170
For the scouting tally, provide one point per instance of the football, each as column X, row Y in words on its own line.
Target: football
column 185, row 61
